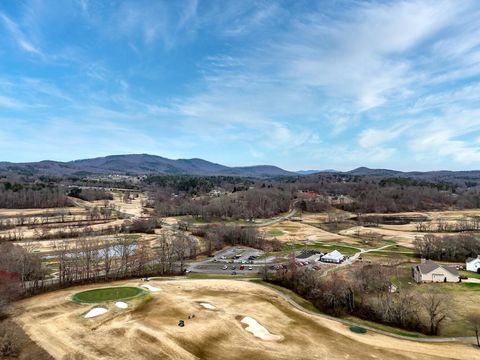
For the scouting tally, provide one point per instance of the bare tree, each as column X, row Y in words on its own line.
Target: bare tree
column 474, row 321
column 436, row 306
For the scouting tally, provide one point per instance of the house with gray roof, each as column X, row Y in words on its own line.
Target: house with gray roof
column 430, row 271
column 473, row 264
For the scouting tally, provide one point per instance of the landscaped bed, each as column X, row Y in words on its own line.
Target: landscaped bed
column 103, row 295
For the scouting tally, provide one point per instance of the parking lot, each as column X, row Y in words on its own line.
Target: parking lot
column 238, row 260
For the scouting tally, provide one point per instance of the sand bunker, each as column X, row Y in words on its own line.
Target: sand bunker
column 208, row 306
column 258, row 330
column 95, row 312
column 151, row 288
column 121, row 305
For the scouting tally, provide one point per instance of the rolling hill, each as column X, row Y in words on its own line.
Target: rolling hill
column 139, row 164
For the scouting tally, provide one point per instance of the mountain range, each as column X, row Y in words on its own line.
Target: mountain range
column 139, row 164
column 145, row 164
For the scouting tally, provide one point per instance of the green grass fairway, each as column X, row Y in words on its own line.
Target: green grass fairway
column 108, row 294
column 275, row 232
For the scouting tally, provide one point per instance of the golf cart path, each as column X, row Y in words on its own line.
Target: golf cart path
column 351, row 323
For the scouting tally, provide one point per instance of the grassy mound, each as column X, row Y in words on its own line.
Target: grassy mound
column 358, row 329
column 108, row 294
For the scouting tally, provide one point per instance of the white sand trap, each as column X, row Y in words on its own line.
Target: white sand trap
column 121, row 305
column 208, row 306
column 258, row 330
column 95, row 312
column 151, row 288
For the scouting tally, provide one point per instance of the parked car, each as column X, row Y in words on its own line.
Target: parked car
column 234, row 267
column 234, row 273
column 242, row 267
column 225, row 267
column 250, row 268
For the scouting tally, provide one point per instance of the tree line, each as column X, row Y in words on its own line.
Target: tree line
column 447, row 247
column 90, row 194
column 249, row 204
column 218, row 236
column 24, row 197
column 367, row 294
column 90, row 260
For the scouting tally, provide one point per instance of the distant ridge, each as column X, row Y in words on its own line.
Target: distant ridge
column 309, row 172
column 145, row 164
column 364, row 171
column 140, row 164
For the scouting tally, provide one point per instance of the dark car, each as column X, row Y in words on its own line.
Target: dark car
column 234, row 273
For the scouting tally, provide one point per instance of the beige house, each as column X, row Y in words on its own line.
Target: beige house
column 429, row 271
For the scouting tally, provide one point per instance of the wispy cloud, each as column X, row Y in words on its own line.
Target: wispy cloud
column 18, row 36
column 336, row 84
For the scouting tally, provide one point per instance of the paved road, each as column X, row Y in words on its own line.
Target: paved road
column 280, row 219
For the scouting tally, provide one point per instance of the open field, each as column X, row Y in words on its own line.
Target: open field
column 404, row 238
column 134, row 207
column 149, row 329
column 33, row 212
column 298, row 231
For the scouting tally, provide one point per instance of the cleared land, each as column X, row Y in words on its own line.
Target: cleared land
column 298, row 231
column 148, row 329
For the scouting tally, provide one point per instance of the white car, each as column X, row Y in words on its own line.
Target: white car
column 225, row 267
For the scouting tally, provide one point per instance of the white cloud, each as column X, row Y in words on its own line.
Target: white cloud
column 369, row 138
column 10, row 103
column 19, row 37
column 447, row 136
column 357, row 56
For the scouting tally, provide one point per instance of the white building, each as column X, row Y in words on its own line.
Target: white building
column 473, row 264
column 333, row 257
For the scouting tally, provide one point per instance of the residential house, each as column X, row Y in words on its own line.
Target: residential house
column 430, row 271
column 473, row 264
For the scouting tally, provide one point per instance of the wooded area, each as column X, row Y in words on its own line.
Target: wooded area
column 365, row 293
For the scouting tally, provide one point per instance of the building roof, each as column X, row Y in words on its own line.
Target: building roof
column 473, row 259
column 334, row 255
column 429, row 265
column 304, row 254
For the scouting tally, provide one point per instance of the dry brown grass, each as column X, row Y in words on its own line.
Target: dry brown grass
column 151, row 331
column 299, row 231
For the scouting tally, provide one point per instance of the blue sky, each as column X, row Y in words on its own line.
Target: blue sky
column 298, row 84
